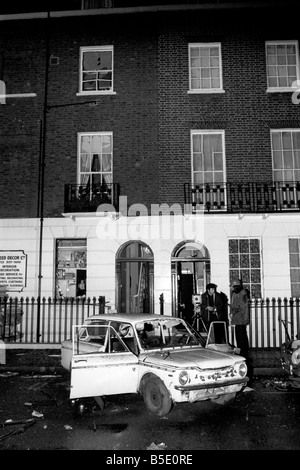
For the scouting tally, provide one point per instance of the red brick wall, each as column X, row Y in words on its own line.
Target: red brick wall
column 151, row 114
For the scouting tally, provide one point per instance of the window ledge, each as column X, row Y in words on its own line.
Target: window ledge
column 281, row 90
column 204, row 92
column 89, row 93
column 91, row 215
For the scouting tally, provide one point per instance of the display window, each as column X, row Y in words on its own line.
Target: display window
column 70, row 268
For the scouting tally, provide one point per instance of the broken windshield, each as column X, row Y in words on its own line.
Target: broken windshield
column 166, row 333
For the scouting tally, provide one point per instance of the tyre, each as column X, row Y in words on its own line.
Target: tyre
column 224, row 399
column 156, row 397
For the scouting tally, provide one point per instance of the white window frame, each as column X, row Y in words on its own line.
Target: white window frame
column 279, row 89
column 206, row 90
column 210, row 195
column 95, row 49
column 79, row 137
column 273, row 131
column 294, row 267
column 237, row 272
column 208, row 132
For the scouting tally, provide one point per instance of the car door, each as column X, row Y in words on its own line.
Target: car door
column 217, row 337
column 97, row 373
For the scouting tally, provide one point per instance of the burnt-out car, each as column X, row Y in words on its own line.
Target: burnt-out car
column 160, row 357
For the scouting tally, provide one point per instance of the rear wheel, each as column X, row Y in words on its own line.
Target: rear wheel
column 224, row 399
column 156, row 397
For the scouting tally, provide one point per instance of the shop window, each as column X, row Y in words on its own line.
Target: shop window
column 70, row 268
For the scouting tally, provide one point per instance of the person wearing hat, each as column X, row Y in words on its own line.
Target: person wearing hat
column 212, row 305
column 240, row 318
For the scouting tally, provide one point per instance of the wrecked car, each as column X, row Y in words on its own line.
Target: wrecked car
column 162, row 358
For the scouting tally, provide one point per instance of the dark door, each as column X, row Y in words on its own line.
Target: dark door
column 186, row 290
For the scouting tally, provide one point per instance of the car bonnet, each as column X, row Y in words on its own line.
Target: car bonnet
column 196, row 357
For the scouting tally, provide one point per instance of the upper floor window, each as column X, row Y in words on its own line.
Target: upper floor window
column 95, row 159
column 286, row 155
column 282, row 60
column 205, row 68
column 96, row 69
column 207, row 157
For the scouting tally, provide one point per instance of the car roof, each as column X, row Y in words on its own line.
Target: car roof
column 130, row 317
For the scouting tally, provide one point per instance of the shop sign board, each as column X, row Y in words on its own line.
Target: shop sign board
column 13, row 270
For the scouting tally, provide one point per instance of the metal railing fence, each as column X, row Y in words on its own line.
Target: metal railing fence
column 19, row 322
column 273, row 321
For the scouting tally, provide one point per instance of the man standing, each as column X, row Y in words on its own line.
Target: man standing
column 240, row 318
column 213, row 306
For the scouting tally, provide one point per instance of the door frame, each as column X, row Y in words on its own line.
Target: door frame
column 121, row 261
column 178, row 257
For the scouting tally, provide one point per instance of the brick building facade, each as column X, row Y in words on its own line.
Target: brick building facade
column 239, row 218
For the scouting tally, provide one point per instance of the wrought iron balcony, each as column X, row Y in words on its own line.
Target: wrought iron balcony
column 87, row 198
column 242, row 197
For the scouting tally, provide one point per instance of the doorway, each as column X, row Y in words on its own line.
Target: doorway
column 134, row 274
column 190, row 274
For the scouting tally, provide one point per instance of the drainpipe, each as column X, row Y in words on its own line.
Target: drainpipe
column 42, row 180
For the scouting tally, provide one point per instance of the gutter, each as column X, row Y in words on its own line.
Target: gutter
column 149, row 9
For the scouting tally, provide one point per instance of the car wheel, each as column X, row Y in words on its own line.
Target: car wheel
column 157, row 397
column 224, row 399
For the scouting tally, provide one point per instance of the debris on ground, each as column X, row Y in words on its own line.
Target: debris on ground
column 10, row 422
column 248, row 389
column 295, row 382
column 286, row 385
column 42, row 376
column 154, row 446
column 37, row 414
column 68, row 427
column 9, row 374
column 51, row 397
column 26, row 424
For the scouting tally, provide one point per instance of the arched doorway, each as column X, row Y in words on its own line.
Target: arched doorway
column 190, row 266
column 134, row 274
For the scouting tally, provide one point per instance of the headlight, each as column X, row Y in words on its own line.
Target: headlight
column 242, row 369
column 183, row 377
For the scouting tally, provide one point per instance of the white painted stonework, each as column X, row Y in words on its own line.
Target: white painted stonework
column 105, row 235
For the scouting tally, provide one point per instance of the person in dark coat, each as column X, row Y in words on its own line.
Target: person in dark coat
column 213, row 305
column 240, row 319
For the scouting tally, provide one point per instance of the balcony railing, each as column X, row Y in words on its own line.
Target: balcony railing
column 87, row 198
column 242, row 197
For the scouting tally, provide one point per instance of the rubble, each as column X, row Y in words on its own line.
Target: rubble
column 9, row 422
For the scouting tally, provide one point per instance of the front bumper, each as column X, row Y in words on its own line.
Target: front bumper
column 224, row 383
